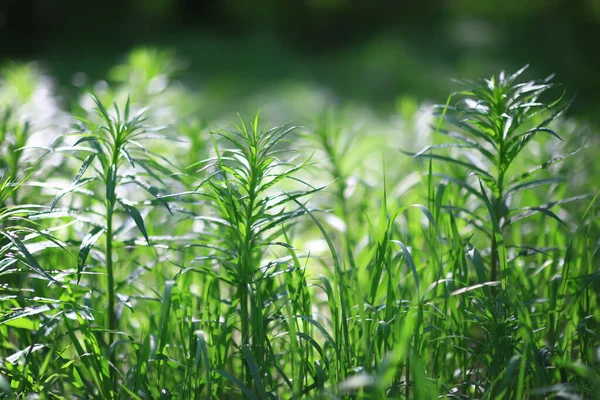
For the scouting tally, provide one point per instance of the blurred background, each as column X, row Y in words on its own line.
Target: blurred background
column 370, row 53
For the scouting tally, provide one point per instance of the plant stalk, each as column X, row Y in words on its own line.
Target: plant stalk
column 112, row 320
column 111, row 176
column 246, row 277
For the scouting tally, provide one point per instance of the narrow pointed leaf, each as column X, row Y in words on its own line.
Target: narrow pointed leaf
column 87, row 244
column 136, row 216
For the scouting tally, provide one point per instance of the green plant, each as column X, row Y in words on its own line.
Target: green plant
column 259, row 284
column 22, row 239
column 254, row 219
column 496, row 120
column 115, row 148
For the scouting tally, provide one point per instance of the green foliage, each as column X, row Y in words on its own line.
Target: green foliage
column 496, row 120
column 253, row 216
column 198, row 263
column 13, row 139
column 115, row 149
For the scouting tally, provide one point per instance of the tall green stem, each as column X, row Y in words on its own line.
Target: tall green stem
column 244, row 315
column 112, row 319
column 111, row 183
column 497, row 210
column 247, row 271
column 497, row 205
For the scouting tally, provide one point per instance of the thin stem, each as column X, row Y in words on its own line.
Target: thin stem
column 112, row 320
column 497, row 205
column 14, row 171
column 111, row 176
column 499, row 215
column 247, row 269
column 494, row 272
column 248, row 272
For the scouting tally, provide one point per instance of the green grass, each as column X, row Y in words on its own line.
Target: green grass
column 149, row 254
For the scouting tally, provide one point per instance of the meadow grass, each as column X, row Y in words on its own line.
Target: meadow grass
column 149, row 254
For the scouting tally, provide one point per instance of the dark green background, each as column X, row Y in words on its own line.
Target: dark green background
column 366, row 51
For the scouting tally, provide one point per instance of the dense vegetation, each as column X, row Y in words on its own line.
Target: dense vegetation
column 147, row 253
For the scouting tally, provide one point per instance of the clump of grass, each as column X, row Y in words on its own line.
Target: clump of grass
column 13, row 223
column 22, row 239
column 497, row 188
column 478, row 283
